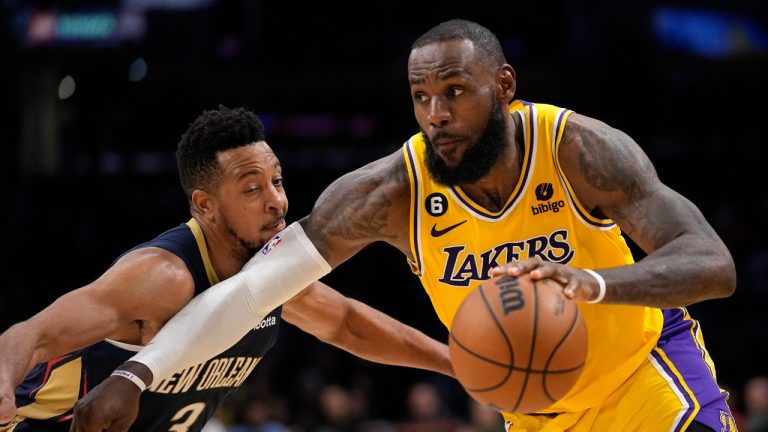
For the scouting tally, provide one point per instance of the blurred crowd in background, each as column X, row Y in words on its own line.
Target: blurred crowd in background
column 96, row 94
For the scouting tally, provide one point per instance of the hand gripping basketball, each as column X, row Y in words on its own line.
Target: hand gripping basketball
column 518, row 344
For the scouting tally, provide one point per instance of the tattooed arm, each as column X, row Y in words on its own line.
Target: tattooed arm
column 686, row 262
column 367, row 205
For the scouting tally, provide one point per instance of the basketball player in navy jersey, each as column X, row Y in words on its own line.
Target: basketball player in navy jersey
column 488, row 180
column 234, row 185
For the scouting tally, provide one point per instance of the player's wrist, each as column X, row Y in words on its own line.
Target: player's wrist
column 135, row 372
column 600, row 286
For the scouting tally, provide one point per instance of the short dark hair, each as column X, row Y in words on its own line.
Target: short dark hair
column 213, row 131
column 459, row 29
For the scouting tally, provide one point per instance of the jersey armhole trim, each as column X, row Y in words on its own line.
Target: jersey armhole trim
column 581, row 212
column 197, row 232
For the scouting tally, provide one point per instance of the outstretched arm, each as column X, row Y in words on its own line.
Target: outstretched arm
column 209, row 324
column 364, row 206
column 125, row 293
column 363, row 331
column 367, row 205
column 686, row 263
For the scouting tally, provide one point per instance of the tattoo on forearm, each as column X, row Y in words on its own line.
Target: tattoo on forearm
column 645, row 223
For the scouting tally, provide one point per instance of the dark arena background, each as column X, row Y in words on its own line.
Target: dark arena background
column 95, row 95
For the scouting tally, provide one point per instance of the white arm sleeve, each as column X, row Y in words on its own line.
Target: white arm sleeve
column 219, row 317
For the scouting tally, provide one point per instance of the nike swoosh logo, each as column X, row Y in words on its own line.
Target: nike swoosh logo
column 437, row 233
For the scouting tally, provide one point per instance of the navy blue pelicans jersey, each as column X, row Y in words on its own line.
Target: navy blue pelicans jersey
column 183, row 402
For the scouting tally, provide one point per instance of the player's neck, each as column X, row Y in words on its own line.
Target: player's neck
column 225, row 263
column 226, row 257
column 493, row 190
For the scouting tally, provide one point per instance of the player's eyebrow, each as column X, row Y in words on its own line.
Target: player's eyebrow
column 250, row 171
column 257, row 171
column 452, row 72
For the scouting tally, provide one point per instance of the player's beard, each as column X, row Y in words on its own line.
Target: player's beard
column 478, row 158
column 245, row 249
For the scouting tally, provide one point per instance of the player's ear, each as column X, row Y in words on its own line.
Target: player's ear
column 203, row 203
column 507, row 82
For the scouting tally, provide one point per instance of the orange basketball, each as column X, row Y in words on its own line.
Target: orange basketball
column 518, row 344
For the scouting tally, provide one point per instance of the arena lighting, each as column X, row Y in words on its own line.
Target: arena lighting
column 137, row 71
column 66, row 87
column 87, row 28
column 709, row 33
column 47, row 27
column 86, row 25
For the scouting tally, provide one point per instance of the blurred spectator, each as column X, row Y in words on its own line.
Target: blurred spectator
column 258, row 415
column 426, row 411
column 756, row 403
column 337, row 410
column 483, row 418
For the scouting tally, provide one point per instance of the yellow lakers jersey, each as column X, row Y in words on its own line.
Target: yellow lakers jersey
column 455, row 242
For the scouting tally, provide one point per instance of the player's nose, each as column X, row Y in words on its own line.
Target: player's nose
column 276, row 199
column 438, row 115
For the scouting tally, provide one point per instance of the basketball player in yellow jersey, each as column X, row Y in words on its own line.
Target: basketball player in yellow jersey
column 456, row 241
column 488, row 180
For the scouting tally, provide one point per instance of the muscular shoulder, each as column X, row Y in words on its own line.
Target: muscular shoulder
column 157, row 278
column 366, row 205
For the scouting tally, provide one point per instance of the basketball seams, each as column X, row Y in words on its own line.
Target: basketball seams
column 500, row 327
column 554, row 351
column 532, row 349
column 510, row 367
column 482, row 357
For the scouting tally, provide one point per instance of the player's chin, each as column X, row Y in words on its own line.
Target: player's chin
column 452, row 159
